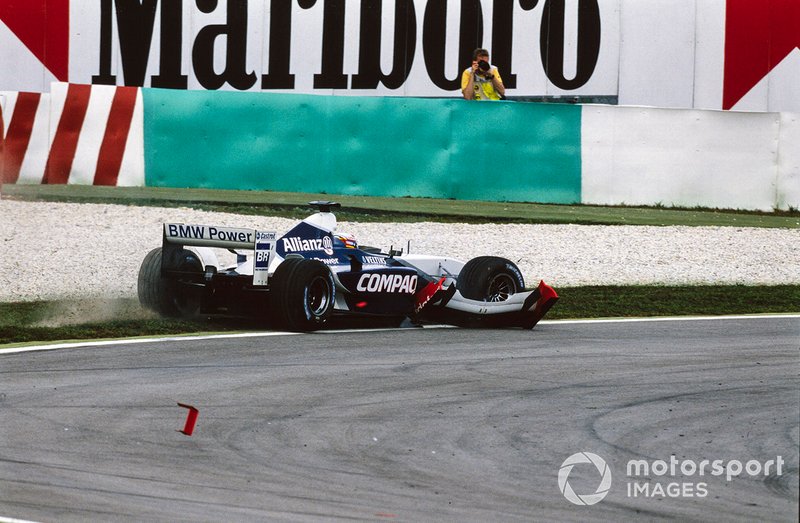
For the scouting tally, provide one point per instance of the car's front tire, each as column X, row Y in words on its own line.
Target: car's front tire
column 489, row 278
column 302, row 294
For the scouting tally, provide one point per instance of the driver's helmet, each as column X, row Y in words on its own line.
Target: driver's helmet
column 344, row 240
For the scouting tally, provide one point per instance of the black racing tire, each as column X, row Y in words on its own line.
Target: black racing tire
column 168, row 297
column 302, row 294
column 489, row 278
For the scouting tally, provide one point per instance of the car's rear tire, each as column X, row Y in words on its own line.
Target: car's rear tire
column 165, row 296
column 302, row 294
column 489, row 278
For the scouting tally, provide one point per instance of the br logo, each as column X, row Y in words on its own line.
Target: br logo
column 602, row 468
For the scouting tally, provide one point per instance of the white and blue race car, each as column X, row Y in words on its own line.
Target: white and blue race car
column 301, row 279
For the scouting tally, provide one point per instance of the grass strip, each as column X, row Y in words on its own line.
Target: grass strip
column 366, row 208
column 645, row 301
column 45, row 321
column 106, row 330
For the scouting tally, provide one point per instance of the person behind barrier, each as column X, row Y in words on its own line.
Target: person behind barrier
column 482, row 80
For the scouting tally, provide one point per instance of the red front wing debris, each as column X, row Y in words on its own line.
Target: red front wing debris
column 547, row 298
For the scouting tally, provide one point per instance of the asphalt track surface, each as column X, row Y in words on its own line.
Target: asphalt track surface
column 403, row 425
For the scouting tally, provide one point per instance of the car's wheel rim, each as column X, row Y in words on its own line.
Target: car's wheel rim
column 501, row 287
column 318, row 296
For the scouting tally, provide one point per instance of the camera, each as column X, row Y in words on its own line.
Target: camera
column 484, row 66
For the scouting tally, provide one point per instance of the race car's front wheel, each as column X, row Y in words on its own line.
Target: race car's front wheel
column 168, row 297
column 489, row 278
column 302, row 294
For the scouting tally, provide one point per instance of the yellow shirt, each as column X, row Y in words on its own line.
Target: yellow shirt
column 483, row 89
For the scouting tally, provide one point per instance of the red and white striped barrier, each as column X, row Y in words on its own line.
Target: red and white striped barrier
column 76, row 134
column 2, row 134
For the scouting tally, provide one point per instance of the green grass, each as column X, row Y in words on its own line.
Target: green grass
column 47, row 321
column 80, row 319
column 640, row 301
column 113, row 329
column 365, row 208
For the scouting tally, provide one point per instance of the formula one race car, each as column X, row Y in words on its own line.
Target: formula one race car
column 301, row 279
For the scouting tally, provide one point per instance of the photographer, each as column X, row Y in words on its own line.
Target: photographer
column 482, row 81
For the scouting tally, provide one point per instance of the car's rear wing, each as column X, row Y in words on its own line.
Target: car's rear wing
column 178, row 235
column 209, row 236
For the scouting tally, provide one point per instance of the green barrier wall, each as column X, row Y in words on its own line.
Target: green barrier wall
column 440, row 148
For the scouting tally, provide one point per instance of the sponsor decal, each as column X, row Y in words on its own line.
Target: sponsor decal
column 513, row 268
column 135, row 25
column 265, row 243
column 328, row 261
column 425, row 295
column 392, row 283
column 296, row 244
column 264, row 247
column 262, row 257
column 208, row 233
column 373, row 260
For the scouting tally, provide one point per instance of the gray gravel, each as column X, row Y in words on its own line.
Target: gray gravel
column 60, row 250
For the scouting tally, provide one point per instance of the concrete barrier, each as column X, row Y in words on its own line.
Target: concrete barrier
column 379, row 146
column 788, row 184
column 683, row 158
column 439, row 148
column 76, row 134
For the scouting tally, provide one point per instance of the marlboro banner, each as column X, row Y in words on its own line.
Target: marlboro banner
column 726, row 54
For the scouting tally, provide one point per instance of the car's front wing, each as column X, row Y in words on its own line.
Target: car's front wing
column 523, row 309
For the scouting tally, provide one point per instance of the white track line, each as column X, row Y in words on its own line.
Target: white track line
column 135, row 341
column 670, row 318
